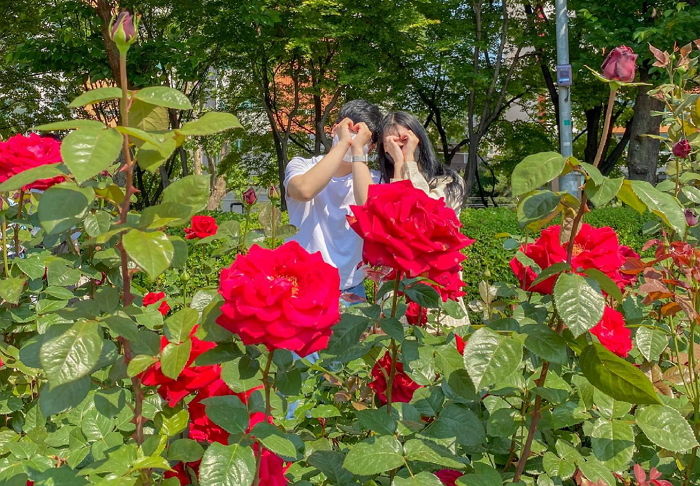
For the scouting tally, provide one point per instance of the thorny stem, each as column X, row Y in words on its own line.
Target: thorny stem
column 393, row 349
column 268, row 412
column 3, row 241
column 606, row 126
column 20, row 206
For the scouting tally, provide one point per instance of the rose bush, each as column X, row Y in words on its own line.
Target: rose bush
column 591, row 378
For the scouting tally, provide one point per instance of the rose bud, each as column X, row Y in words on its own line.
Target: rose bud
column 249, row 196
column 273, row 192
column 691, row 217
column 122, row 30
column 620, row 65
column 681, row 149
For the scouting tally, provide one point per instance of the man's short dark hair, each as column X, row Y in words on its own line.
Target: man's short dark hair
column 363, row 111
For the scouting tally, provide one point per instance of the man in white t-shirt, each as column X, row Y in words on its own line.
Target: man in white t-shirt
column 320, row 191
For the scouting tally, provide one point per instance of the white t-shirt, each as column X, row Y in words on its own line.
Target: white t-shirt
column 322, row 222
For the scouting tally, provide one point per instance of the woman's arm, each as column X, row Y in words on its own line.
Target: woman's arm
column 361, row 176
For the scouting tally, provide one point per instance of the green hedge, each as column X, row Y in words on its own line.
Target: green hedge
column 487, row 258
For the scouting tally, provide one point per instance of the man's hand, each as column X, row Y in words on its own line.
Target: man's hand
column 410, row 144
column 344, row 129
column 363, row 137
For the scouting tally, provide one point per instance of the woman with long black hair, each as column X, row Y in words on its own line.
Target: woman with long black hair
column 405, row 152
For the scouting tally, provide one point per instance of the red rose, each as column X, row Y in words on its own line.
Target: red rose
column 691, row 217
column 191, row 379
column 620, row 65
column 250, row 197
column 201, row 227
column 201, row 428
column 273, row 193
column 284, row 298
column 593, row 248
column 405, row 229
column 682, row 149
column 20, row 153
column 152, row 297
column 416, row 315
column 612, row 333
column 460, row 344
column 448, row 476
column 403, row 386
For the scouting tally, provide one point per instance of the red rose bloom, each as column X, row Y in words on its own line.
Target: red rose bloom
column 620, row 65
column 448, row 476
column 201, row 227
column 284, row 298
column 403, row 386
column 593, row 248
column 682, row 149
column 201, row 428
column 152, row 297
column 405, row 229
column 416, row 315
column 460, row 343
column 20, row 153
column 612, row 333
column 191, row 379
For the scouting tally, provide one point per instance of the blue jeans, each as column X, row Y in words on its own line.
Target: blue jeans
column 348, row 297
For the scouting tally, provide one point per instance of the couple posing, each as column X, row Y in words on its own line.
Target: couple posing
column 320, row 190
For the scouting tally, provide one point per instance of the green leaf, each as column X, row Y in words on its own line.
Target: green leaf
column 613, row 443
column 537, row 209
column 580, row 306
column 174, row 358
column 428, row 451
column 557, row 467
column 377, row 420
column 602, row 194
column 11, row 289
column 535, row 171
column 605, row 282
column 347, row 332
column 89, row 151
column 627, row 196
column 139, row 363
column 156, row 140
column 616, row 377
column 97, row 223
column 63, row 206
column 241, row 374
column 150, row 156
column 374, row 456
column 148, row 117
column 424, row 478
column 152, row 251
column 666, row 427
column 164, row 96
column 650, row 342
column 595, row 471
column 165, row 214
column 95, row 96
column 228, row 412
column 545, row 343
column 483, row 475
column 172, row 421
column 192, row 191
column 457, row 421
column 185, row 450
column 59, row 398
column 489, row 357
column 73, row 354
column 18, row 181
column 593, row 173
column 549, row 271
column 179, row 325
column 661, row 204
column 69, row 125
column 210, row 123
column 232, row 465
column 277, row 441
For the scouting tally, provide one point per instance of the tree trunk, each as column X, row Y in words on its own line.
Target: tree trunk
column 197, row 169
column 643, row 154
column 471, row 168
column 592, row 127
column 217, row 193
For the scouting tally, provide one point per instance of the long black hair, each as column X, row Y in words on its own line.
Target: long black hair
column 425, row 157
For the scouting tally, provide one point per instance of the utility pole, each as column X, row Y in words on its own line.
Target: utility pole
column 571, row 181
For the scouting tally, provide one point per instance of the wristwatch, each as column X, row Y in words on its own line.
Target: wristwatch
column 359, row 158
